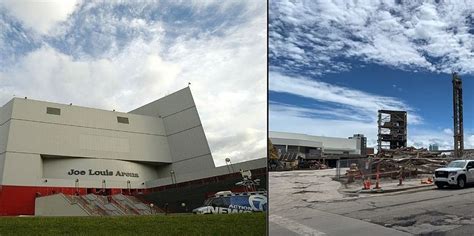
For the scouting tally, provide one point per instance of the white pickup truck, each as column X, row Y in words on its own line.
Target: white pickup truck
column 456, row 173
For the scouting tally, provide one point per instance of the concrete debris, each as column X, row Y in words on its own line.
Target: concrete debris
column 291, row 160
column 411, row 166
column 406, row 152
column 353, row 172
column 413, row 161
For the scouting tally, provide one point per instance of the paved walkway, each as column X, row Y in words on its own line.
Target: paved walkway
column 292, row 195
column 306, row 221
column 387, row 185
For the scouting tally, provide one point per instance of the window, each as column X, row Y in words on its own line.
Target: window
column 292, row 149
column 226, row 201
column 470, row 165
column 282, row 148
column 53, row 111
column 218, row 202
column 208, row 202
column 123, row 120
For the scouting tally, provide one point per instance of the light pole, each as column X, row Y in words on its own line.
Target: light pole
column 129, row 186
column 104, row 186
column 151, row 208
column 173, row 177
column 76, row 184
column 228, row 162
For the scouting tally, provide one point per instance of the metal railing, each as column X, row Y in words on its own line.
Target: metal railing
column 126, row 207
column 115, row 205
column 134, row 202
column 131, row 203
column 123, row 208
column 92, row 205
column 76, row 200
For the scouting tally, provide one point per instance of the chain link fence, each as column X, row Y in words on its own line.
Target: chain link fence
column 387, row 168
column 362, row 164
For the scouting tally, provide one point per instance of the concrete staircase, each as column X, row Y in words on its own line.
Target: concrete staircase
column 133, row 205
column 92, row 205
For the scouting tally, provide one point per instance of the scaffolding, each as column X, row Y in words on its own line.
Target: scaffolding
column 392, row 130
column 457, row 116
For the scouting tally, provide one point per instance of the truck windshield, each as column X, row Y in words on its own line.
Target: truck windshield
column 208, row 202
column 456, row 164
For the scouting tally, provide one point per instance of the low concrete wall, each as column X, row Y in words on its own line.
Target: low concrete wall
column 57, row 205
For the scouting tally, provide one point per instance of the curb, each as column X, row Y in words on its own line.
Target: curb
column 386, row 190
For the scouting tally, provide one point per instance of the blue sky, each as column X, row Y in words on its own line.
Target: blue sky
column 123, row 54
column 333, row 64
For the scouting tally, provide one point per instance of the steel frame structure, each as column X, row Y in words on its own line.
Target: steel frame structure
column 458, row 116
column 392, row 129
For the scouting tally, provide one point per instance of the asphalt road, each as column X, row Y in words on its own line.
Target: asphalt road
column 426, row 212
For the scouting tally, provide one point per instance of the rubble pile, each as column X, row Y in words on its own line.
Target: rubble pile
column 469, row 154
column 407, row 152
column 413, row 161
column 411, row 166
column 353, row 173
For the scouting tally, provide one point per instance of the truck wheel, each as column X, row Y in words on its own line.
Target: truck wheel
column 461, row 181
column 439, row 185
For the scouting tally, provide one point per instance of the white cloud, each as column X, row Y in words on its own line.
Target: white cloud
column 47, row 74
column 230, row 75
column 311, row 38
column 227, row 71
column 444, row 139
column 421, row 34
column 357, row 103
column 470, row 141
column 287, row 118
column 321, row 112
column 292, row 119
column 40, row 16
column 351, row 112
column 448, row 131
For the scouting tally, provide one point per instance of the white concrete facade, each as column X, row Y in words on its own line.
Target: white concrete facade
column 86, row 147
column 329, row 145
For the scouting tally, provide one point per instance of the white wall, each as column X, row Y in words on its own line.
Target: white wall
column 5, row 114
column 60, row 168
column 329, row 144
column 23, row 169
column 161, row 136
column 57, row 205
column 190, row 152
column 296, row 142
column 53, row 139
column 27, row 109
column 86, row 132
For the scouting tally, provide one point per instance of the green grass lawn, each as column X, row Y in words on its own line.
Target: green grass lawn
column 176, row 224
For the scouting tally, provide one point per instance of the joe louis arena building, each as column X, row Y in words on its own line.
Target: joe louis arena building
column 157, row 152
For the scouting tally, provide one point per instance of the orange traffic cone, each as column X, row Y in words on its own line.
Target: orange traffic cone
column 367, row 184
